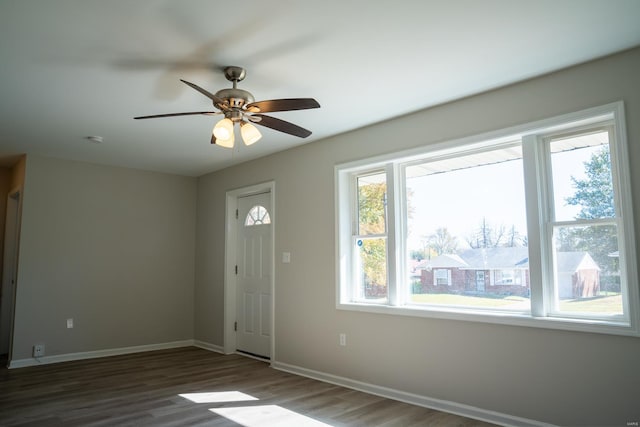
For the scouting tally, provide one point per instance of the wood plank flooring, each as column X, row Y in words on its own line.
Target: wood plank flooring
column 191, row 387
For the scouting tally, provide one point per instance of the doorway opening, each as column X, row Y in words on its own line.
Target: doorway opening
column 9, row 275
column 249, row 271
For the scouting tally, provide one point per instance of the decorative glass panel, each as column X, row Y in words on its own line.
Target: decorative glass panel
column 257, row 215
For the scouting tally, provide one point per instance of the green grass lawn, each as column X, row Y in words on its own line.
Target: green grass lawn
column 470, row 301
column 604, row 304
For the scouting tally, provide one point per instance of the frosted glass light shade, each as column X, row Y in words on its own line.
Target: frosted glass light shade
column 226, row 143
column 224, row 130
column 250, row 133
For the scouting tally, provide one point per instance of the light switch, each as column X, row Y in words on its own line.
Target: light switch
column 286, row 257
column 69, row 323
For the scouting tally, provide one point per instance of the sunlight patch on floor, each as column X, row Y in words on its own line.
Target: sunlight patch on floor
column 267, row 416
column 218, row 397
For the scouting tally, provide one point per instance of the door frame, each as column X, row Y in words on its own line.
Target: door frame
column 231, row 239
column 10, row 262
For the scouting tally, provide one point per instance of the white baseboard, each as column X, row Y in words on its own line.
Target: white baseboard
column 208, row 346
column 414, row 399
column 45, row 360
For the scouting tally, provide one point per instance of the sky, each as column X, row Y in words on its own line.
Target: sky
column 458, row 200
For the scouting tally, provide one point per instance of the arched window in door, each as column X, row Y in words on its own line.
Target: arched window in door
column 257, row 215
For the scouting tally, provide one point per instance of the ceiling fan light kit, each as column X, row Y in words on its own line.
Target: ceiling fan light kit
column 250, row 133
column 226, row 142
column 223, row 129
column 239, row 106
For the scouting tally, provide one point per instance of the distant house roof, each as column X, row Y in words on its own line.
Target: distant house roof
column 444, row 261
column 570, row 262
column 497, row 258
column 516, row 258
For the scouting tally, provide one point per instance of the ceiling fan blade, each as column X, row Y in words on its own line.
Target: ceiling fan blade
column 155, row 116
column 288, row 104
column 281, row 125
column 216, row 101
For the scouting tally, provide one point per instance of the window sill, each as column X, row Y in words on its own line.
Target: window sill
column 498, row 317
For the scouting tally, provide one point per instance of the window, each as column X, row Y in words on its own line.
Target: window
column 465, row 211
column 442, row 277
column 584, row 224
column 529, row 226
column 504, row 277
column 370, row 241
column 257, row 215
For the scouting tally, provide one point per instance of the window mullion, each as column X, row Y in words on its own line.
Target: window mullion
column 393, row 227
column 534, row 183
column 403, row 283
column 353, row 189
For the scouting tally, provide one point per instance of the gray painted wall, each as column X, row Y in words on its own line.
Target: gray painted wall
column 113, row 249
column 559, row 377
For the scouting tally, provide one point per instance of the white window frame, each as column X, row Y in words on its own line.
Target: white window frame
column 550, row 222
column 538, row 197
column 355, row 220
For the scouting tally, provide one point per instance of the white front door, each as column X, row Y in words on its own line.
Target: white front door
column 254, row 271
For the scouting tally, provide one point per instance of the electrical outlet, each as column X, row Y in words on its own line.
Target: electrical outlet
column 38, row 350
column 69, row 323
column 343, row 339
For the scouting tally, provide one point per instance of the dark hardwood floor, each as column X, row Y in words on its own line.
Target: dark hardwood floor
column 193, row 387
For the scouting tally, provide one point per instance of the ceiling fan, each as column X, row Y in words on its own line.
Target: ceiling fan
column 239, row 106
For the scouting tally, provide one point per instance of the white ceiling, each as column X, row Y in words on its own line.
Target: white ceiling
column 75, row 68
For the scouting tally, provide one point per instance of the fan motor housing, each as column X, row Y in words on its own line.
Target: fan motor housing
column 236, row 98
